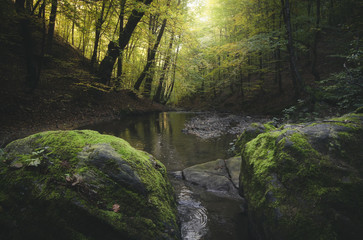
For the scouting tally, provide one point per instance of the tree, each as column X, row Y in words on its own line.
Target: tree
column 150, row 62
column 113, row 52
column 315, row 43
column 52, row 18
column 158, row 97
column 121, row 56
column 147, row 73
column 297, row 80
column 32, row 77
column 101, row 19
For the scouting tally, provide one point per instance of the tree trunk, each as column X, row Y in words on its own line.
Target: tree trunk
column 158, row 97
column 52, row 18
column 314, row 71
column 171, row 87
column 73, row 33
column 35, row 7
column 41, row 13
column 278, row 77
column 121, row 55
column 152, row 58
column 108, row 62
column 249, row 62
column 29, row 5
column 99, row 24
column 44, row 38
column 241, row 82
column 32, row 77
column 261, row 74
column 310, row 3
column 296, row 78
column 330, row 15
column 19, row 5
column 278, row 67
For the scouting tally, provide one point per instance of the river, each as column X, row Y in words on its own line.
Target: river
column 203, row 214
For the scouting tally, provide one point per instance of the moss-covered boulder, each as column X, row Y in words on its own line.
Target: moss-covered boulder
column 306, row 182
column 252, row 131
column 83, row 185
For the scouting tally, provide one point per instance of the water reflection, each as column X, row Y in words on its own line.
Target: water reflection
column 202, row 214
column 162, row 136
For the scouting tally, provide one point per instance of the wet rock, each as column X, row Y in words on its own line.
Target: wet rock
column 234, row 168
column 306, row 181
column 215, row 175
column 84, row 186
column 212, row 125
column 177, row 174
column 105, row 158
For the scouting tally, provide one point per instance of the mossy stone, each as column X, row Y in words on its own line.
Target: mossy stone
column 250, row 133
column 83, row 185
column 306, row 182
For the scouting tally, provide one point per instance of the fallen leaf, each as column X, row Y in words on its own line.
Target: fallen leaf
column 116, row 207
column 16, row 165
column 78, row 179
column 68, row 178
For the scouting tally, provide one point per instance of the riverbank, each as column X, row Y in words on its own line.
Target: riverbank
column 67, row 94
column 24, row 114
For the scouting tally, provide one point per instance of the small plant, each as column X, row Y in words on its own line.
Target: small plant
column 36, row 157
column 289, row 112
column 1, row 154
column 345, row 89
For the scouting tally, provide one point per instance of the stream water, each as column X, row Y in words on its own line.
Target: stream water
column 203, row 215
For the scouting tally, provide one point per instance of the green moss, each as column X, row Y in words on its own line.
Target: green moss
column 261, row 151
column 349, row 120
column 359, row 110
column 62, row 175
column 293, row 189
column 250, row 133
column 269, row 126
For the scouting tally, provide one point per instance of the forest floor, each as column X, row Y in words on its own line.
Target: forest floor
column 24, row 114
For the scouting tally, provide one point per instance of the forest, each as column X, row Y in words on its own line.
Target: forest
column 272, row 88
column 248, row 56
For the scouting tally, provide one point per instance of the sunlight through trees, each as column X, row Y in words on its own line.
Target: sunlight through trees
column 174, row 50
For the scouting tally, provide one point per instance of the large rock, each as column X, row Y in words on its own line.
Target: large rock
column 83, row 185
column 218, row 176
column 252, row 131
column 306, row 182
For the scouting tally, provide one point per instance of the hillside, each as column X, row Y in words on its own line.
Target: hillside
column 67, row 96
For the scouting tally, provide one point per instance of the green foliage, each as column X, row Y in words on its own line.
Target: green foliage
column 219, row 48
column 342, row 89
column 300, row 112
column 345, row 89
